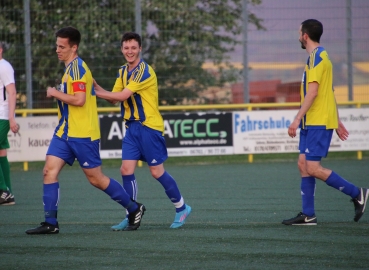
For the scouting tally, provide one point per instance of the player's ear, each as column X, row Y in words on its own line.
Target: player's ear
column 74, row 48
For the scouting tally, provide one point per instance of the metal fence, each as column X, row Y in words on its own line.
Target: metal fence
column 189, row 45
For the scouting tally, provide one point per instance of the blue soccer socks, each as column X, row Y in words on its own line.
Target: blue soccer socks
column 172, row 191
column 307, row 195
column 51, row 201
column 118, row 194
column 130, row 185
column 336, row 181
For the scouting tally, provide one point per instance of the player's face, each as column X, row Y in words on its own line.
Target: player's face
column 65, row 52
column 302, row 39
column 131, row 51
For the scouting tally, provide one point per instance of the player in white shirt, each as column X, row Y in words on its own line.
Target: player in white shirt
column 7, row 122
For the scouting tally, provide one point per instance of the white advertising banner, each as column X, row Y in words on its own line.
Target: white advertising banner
column 356, row 122
column 253, row 132
column 266, row 131
column 263, row 132
column 33, row 139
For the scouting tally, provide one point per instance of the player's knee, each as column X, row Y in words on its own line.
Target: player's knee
column 94, row 181
column 48, row 173
column 312, row 170
column 155, row 174
column 157, row 171
column 301, row 166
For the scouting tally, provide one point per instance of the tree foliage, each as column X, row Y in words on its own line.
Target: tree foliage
column 178, row 37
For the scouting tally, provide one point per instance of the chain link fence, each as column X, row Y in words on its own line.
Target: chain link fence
column 194, row 46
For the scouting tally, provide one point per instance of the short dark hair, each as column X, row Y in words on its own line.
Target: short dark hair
column 313, row 28
column 71, row 33
column 129, row 36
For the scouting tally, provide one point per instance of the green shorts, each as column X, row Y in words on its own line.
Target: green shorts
column 4, row 130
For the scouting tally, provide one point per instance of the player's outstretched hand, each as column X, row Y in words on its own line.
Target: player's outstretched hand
column 342, row 131
column 96, row 86
column 293, row 127
column 50, row 91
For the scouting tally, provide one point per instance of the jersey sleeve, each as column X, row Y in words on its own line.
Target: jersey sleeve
column 141, row 79
column 118, row 85
column 316, row 68
column 77, row 73
column 7, row 74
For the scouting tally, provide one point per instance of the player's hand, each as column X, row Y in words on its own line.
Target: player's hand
column 293, row 127
column 14, row 127
column 50, row 91
column 342, row 132
column 96, row 86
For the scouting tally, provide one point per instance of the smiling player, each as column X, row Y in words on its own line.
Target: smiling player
column 136, row 88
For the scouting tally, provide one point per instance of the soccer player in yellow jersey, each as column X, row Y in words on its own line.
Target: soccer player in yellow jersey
column 77, row 136
column 136, row 88
column 317, row 118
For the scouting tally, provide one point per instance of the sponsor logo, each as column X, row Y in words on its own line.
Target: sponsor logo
column 361, row 202
column 309, row 219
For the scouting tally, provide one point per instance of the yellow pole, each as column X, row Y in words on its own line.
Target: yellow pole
column 139, row 163
column 25, row 166
column 251, row 156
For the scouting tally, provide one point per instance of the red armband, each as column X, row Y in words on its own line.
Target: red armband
column 79, row 87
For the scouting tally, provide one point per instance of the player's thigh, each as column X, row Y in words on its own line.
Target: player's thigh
column 153, row 146
column 60, row 148
column 317, row 143
column 52, row 168
column 87, row 152
column 131, row 144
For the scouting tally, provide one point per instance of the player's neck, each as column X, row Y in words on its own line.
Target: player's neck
column 312, row 46
column 133, row 65
column 70, row 59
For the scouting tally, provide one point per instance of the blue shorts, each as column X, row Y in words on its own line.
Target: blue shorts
column 314, row 143
column 143, row 143
column 83, row 149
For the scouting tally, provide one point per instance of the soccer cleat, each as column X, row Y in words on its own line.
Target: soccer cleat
column 180, row 217
column 9, row 199
column 301, row 219
column 134, row 218
column 121, row 226
column 360, row 203
column 45, row 228
column 4, row 196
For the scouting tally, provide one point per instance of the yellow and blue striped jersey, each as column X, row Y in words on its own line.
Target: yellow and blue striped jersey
column 143, row 105
column 323, row 112
column 74, row 121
